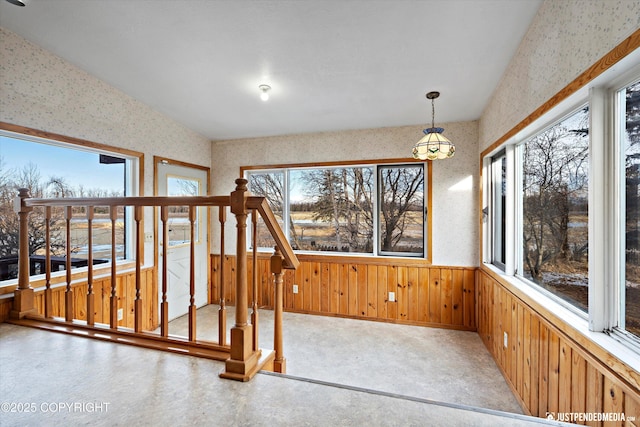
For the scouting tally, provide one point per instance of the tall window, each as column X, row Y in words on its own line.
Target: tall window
column 498, row 201
column 402, row 210
column 368, row 209
column 629, row 119
column 49, row 169
column 555, row 240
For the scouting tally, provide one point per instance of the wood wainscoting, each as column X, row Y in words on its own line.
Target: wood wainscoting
column 358, row 287
column 549, row 369
column 125, row 289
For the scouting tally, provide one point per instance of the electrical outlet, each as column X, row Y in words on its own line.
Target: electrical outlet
column 120, row 314
column 148, row 237
column 295, row 289
column 392, row 296
column 506, row 340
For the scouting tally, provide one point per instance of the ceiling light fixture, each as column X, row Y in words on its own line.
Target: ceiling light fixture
column 18, row 2
column 433, row 145
column 265, row 92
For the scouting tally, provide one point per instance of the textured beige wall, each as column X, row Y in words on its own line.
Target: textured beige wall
column 454, row 181
column 41, row 91
column 565, row 38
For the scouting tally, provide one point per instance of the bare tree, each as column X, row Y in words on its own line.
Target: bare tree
column 188, row 187
column 10, row 181
column 632, row 184
column 343, row 196
column 59, row 187
column 555, row 176
column 399, row 188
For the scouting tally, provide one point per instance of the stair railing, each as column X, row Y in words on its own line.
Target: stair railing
column 243, row 357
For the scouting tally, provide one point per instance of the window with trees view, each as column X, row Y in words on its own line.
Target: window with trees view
column 367, row 209
column 630, row 149
column 48, row 169
column 574, row 208
column 555, row 170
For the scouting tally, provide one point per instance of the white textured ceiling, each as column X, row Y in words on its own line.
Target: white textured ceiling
column 333, row 65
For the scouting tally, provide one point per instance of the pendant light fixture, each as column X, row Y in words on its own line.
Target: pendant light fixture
column 433, row 145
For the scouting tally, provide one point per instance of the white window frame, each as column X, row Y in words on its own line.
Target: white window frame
column 496, row 219
column 604, row 321
column 615, row 317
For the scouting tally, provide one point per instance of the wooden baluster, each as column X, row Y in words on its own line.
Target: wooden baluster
column 48, row 293
column 254, row 277
column 68, row 294
column 222, row 310
column 192, row 274
column 280, row 363
column 91, row 298
column 137, row 308
column 113, row 299
column 23, row 296
column 239, row 209
column 164, row 305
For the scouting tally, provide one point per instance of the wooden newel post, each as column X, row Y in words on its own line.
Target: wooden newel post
column 242, row 364
column 23, row 297
column 280, row 363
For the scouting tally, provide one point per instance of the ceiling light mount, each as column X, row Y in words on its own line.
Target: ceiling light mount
column 265, row 92
column 432, row 95
column 18, row 2
column 433, row 145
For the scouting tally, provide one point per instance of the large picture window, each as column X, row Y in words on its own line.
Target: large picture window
column 331, row 209
column 555, row 238
column 362, row 209
column 52, row 169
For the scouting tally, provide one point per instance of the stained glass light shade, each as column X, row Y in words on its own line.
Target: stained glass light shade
column 433, row 146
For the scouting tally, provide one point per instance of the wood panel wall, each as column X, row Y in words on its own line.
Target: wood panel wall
column 126, row 291
column 359, row 288
column 548, row 370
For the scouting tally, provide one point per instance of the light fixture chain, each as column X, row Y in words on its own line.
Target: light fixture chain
column 433, row 113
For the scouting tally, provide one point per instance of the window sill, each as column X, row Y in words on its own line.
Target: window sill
column 349, row 257
column 599, row 344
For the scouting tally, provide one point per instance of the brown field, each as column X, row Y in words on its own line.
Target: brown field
column 320, row 234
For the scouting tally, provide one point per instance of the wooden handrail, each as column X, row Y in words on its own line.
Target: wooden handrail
column 132, row 201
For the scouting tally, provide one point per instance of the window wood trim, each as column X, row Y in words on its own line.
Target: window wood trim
column 616, row 54
column 79, row 142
